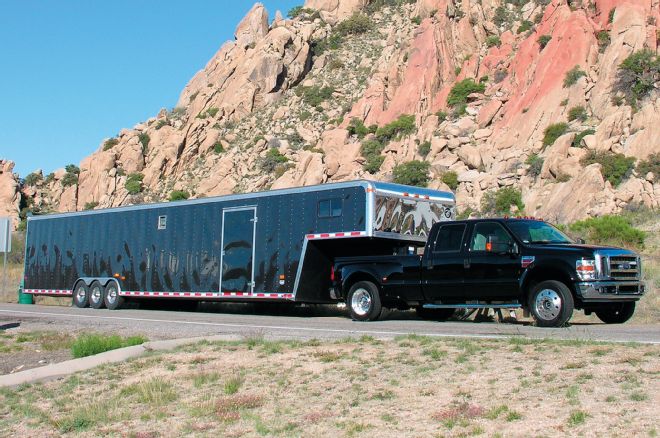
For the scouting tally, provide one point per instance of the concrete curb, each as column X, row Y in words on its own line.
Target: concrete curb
column 62, row 369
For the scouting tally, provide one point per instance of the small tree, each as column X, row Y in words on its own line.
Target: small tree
column 543, row 41
column 501, row 202
column 450, row 178
column 614, row 167
column 553, row 132
column 371, row 151
column 144, row 140
column 412, row 173
column 638, row 74
column 32, row 179
column 651, row 164
column 178, row 195
column 404, row 125
column 424, row 149
column 612, row 230
column 459, row 93
column 133, row 183
column 110, row 143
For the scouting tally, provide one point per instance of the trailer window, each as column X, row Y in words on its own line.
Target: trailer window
column 330, row 207
column 162, row 222
column 449, row 238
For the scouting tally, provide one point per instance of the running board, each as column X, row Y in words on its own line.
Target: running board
column 473, row 306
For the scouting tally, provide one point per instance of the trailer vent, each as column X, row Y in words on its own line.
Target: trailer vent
column 162, row 222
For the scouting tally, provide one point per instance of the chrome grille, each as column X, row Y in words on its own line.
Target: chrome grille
column 624, row 267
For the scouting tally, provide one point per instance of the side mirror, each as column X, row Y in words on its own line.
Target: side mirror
column 495, row 246
column 513, row 249
column 581, row 241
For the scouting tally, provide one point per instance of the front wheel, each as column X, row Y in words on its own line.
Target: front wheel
column 551, row 303
column 364, row 301
column 616, row 313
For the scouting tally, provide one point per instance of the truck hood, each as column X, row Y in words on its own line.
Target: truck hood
column 577, row 248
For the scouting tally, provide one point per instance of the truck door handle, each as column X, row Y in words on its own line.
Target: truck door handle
column 466, row 263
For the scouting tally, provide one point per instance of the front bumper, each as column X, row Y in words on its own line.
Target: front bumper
column 604, row 291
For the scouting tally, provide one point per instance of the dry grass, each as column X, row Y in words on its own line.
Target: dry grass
column 9, row 289
column 395, row 388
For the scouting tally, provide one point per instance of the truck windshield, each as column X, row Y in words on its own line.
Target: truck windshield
column 537, row 232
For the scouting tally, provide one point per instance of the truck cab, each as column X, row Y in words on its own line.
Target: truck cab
column 500, row 262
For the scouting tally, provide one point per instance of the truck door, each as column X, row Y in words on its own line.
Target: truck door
column 492, row 270
column 442, row 265
column 237, row 256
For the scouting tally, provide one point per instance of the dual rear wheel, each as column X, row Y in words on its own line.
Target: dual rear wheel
column 97, row 296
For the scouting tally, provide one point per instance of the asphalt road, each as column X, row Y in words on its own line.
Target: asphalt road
column 299, row 323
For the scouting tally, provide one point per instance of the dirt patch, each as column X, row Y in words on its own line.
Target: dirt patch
column 410, row 386
column 21, row 350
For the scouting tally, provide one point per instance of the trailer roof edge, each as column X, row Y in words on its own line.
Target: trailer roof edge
column 380, row 187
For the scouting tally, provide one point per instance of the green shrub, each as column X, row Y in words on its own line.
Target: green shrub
column 553, row 132
column 315, row 95
column 501, row 202
column 32, row 179
column 651, row 164
column 612, row 230
column 577, row 140
column 144, row 140
column 404, row 125
column 577, row 113
column 212, row 111
column 133, row 183
column 356, row 127
column 458, row 70
column 299, row 10
column 332, row 42
column 573, row 75
column 91, row 205
column 218, row 148
column 178, row 195
column 450, row 178
column 424, row 148
column 493, row 41
column 90, row 344
column 71, row 176
column 417, row 20
column 610, row 16
column 614, row 167
column 603, row 38
column 525, row 26
column 377, row 5
column 110, row 143
column 459, row 92
column 355, row 25
column 371, row 151
column 72, row 168
column 535, row 164
column 271, row 160
column 638, row 74
column 412, row 173
column 442, row 116
column 501, row 16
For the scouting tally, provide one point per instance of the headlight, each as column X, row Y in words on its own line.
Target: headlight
column 586, row 269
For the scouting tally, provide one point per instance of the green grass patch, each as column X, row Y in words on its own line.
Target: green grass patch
column 90, row 344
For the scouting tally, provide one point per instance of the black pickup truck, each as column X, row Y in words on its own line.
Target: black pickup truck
column 494, row 263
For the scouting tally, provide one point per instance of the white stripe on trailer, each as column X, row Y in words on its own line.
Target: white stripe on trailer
column 47, row 292
column 274, row 295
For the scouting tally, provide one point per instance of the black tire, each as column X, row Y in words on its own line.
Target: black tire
column 616, row 313
column 96, row 295
column 81, row 295
column 435, row 314
column 363, row 301
column 111, row 297
column 551, row 303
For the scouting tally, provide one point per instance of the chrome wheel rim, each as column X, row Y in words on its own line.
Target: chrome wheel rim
column 361, row 302
column 548, row 304
column 95, row 294
column 80, row 294
column 111, row 294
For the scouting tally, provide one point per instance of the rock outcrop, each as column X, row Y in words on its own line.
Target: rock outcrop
column 277, row 107
column 10, row 197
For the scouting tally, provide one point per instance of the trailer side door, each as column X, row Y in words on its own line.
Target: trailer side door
column 238, row 245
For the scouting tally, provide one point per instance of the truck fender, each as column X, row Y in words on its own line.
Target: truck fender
column 548, row 270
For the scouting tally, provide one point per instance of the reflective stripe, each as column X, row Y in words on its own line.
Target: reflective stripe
column 337, row 235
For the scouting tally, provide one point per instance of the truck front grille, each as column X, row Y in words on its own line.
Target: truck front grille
column 624, row 267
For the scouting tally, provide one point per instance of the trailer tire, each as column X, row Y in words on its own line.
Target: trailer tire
column 551, row 303
column 435, row 314
column 96, row 295
column 81, row 295
column 616, row 313
column 111, row 298
column 364, row 301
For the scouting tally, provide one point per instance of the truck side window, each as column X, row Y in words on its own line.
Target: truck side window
column 484, row 230
column 330, row 207
column 449, row 238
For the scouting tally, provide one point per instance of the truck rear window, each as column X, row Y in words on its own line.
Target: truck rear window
column 449, row 238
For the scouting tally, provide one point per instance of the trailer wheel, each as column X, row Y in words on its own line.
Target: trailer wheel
column 364, row 301
column 112, row 299
column 551, row 303
column 616, row 313
column 96, row 295
column 81, row 295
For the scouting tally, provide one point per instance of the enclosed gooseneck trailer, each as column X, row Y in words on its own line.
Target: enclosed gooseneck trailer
column 271, row 246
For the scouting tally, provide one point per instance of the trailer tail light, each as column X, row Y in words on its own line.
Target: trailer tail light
column 116, row 275
column 332, row 273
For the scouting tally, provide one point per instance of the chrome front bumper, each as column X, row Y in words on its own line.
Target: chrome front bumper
column 610, row 290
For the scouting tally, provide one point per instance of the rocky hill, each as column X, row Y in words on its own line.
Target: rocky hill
column 555, row 101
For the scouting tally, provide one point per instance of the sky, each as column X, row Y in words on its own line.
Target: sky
column 73, row 72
